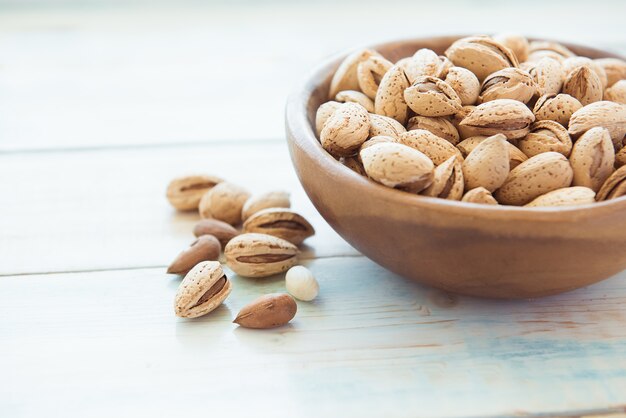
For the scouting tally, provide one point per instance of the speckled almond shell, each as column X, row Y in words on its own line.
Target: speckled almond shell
column 194, row 286
column 263, row 255
column 346, row 129
column 398, row 166
column 280, row 222
column 390, row 96
column 488, row 164
column 534, row 177
column 583, row 84
column 448, row 182
column 224, row 202
column 479, row 195
column 433, row 146
column 516, row 43
column 375, row 140
column 609, row 115
column 506, row 116
column 556, row 107
column 345, row 78
column 538, row 49
column 481, row 55
column 384, row 125
column 614, row 68
column 273, row 199
column 616, row 93
column 508, row 83
column 439, row 99
column 370, row 72
column 544, row 136
column 592, row 159
column 464, row 83
column 568, row 196
column 547, row 74
column 442, row 127
column 516, row 157
column 323, row 113
column 614, row 186
column 354, row 96
column 184, row 193
column 571, row 63
column 425, row 62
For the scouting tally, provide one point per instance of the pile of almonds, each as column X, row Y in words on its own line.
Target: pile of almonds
column 267, row 244
column 495, row 120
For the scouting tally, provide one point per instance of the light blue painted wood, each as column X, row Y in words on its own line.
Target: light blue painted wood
column 373, row 344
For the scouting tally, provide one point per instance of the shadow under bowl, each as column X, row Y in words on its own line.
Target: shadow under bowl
column 478, row 250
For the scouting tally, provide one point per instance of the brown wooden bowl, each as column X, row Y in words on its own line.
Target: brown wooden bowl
column 479, row 250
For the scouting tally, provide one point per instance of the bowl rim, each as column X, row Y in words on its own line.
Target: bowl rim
column 302, row 135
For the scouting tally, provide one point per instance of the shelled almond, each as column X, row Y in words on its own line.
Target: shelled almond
column 495, row 120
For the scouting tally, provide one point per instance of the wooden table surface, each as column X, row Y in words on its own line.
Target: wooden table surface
column 102, row 104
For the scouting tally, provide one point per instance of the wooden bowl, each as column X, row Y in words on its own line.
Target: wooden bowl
column 479, row 250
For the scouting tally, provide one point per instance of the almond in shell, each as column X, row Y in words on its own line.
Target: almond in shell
column 184, row 193
column 370, row 72
column 609, row 115
column 479, row 195
column 354, row 96
column 488, row 164
column 447, row 181
column 323, row 113
column 508, row 83
column 398, row 166
column 556, row 107
column 464, row 83
column 583, row 84
column 224, row 202
column 431, row 96
column 506, row 116
column 536, row 176
column 481, row 55
column 202, row 290
column 614, row 186
column 592, row 158
column 614, row 68
column 544, row 136
column 346, row 129
column 568, row 196
column 273, row 199
column 433, row 146
column 280, row 222
column 260, row 255
column 383, row 125
column 616, row 93
column 345, row 78
column 442, row 127
column 389, row 99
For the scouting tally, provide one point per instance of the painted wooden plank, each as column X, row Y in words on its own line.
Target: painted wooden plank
column 170, row 73
column 97, row 210
column 373, row 344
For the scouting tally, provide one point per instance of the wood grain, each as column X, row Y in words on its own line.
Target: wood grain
column 373, row 344
column 94, row 210
column 100, row 105
column 103, row 75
